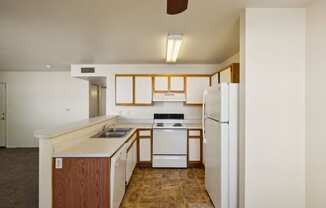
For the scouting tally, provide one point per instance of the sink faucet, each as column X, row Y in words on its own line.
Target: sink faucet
column 105, row 126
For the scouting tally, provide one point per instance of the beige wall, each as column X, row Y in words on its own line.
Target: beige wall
column 273, row 53
column 316, row 105
column 242, row 112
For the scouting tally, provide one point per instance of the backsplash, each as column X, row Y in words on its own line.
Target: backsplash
column 147, row 112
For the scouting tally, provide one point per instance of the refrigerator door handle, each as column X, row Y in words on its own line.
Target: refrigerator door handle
column 216, row 120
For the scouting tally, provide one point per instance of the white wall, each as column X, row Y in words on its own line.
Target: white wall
column 273, row 80
column 38, row 100
column 316, row 105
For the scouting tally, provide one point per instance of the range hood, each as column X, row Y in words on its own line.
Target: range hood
column 169, row 97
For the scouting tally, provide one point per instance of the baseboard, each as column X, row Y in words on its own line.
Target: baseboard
column 195, row 164
column 144, row 164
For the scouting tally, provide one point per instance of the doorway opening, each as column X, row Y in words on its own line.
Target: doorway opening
column 97, row 96
column 3, row 114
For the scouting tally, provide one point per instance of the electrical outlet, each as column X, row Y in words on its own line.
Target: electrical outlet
column 58, row 163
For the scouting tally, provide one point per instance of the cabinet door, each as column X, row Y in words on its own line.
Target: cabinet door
column 215, row 79
column 143, row 90
column 226, row 75
column 195, row 88
column 129, row 165
column 177, row 83
column 118, row 177
column 131, row 161
column 145, row 149
column 134, row 156
column 124, row 90
column 161, row 83
column 194, row 149
column 69, row 183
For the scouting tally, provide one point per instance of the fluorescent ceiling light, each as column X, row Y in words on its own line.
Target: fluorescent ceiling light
column 173, row 46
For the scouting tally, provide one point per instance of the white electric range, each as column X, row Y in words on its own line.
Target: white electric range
column 169, row 141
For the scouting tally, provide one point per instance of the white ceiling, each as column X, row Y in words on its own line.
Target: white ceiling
column 34, row 33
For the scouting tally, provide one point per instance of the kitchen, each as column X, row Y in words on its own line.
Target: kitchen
column 140, row 104
column 171, row 137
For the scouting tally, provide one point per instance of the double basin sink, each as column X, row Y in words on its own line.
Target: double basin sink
column 113, row 133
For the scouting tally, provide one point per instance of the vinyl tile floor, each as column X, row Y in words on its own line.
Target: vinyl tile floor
column 167, row 188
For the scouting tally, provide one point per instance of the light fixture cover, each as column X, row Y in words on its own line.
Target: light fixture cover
column 174, row 42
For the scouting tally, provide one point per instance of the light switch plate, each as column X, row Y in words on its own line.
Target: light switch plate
column 58, row 163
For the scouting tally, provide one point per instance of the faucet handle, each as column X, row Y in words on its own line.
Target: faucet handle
column 105, row 126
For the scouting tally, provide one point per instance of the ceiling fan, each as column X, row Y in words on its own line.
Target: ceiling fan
column 176, row 6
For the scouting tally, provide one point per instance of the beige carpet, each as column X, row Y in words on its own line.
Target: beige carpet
column 19, row 178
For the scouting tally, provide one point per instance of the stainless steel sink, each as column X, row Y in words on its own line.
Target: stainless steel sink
column 113, row 133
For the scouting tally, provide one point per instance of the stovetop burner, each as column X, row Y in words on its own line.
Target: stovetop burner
column 177, row 124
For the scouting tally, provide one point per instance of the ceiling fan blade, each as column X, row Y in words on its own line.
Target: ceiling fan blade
column 176, row 6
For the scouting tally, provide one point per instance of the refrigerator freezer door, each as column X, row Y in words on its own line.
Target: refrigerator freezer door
column 217, row 102
column 216, row 165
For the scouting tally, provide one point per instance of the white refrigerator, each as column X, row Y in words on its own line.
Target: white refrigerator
column 220, row 122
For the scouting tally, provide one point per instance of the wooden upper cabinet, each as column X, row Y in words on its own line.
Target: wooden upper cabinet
column 124, row 89
column 226, row 75
column 215, row 79
column 195, row 86
column 143, row 90
column 133, row 89
column 230, row 74
column 177, row 83
column 161, row 83
column 169, row 83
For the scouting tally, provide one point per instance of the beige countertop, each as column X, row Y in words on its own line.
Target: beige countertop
column 58, row 131
column 101, row 147
column 134, row 125
column 193, row 125
column 95, row 147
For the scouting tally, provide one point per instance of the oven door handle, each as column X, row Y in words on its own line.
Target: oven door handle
column 166, row 130
column 169, row 129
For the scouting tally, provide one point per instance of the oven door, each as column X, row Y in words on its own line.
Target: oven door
column 170, row 142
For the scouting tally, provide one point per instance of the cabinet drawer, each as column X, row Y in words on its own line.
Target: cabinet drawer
column 195, row 133
column 145, row 133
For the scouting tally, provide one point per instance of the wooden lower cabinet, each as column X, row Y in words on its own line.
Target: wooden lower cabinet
column 82, row 182
column 145, row 147
column 86, row 182
column 131, row 160
column 195, row 148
